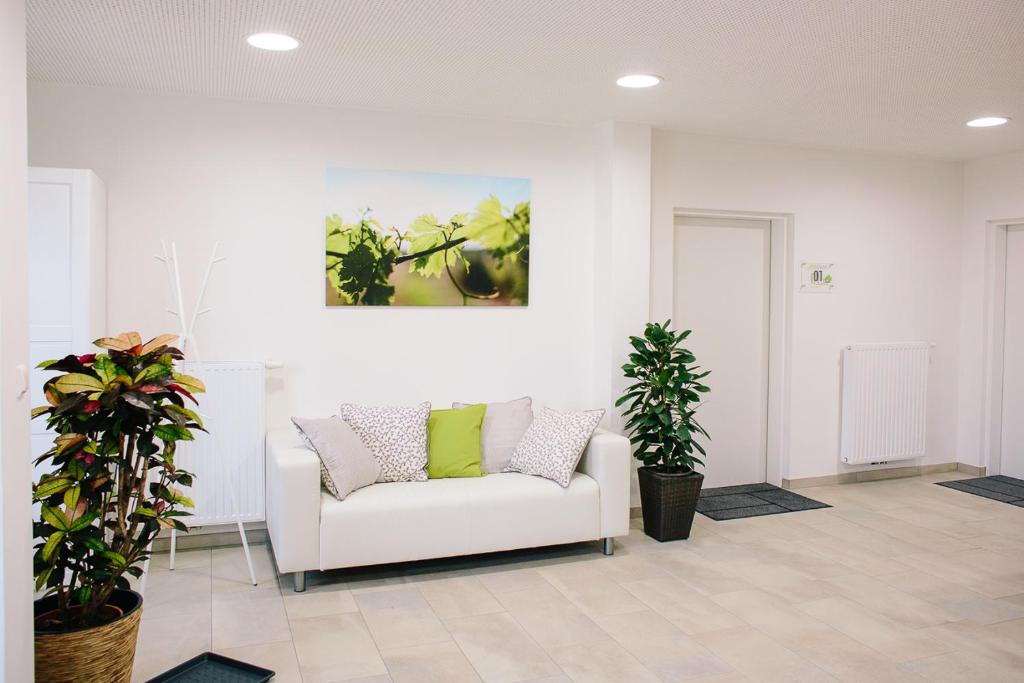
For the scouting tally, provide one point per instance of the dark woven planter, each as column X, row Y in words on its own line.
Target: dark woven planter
column 669, row 502
column 99, row 654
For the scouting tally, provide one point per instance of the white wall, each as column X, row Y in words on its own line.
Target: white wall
column 890, row 225
column 15, row 472
column 993, row 191
column 252, row 176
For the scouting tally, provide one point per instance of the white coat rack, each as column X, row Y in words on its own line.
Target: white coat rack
column 190, row 347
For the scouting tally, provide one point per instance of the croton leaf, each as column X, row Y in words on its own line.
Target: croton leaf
column 172, row 433
column 75, row 382
column 158, row 341
column 51, row 544
column 51, row 487
column 189, row 383
column 116, row 343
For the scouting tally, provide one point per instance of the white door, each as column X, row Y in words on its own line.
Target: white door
column 1012, row 454
column 722, row 269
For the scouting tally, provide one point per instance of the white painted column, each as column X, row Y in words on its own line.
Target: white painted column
column 623, row 253
column 15, row 471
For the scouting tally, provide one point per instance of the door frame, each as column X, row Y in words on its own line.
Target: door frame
column 780, row 302
column 994, row 336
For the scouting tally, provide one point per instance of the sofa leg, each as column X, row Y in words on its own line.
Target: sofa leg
column 608, row 546
column 300, row 581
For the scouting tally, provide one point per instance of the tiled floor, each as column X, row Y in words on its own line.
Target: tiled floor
column 900, row 581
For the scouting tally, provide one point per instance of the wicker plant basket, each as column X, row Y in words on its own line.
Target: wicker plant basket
column 100, row 654
column 669, row 502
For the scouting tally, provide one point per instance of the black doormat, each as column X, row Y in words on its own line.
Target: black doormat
column 752, row 500
column 996, row 487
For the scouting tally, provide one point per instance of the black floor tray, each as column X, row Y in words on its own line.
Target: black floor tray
column 213, row 668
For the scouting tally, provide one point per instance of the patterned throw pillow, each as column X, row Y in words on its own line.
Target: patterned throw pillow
column 553, row 444
column 346, row 464
column 396, row 435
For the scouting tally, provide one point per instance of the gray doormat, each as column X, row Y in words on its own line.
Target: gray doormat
column 996, row 487
column 752, row 500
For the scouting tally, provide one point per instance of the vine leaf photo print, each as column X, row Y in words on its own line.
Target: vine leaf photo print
column 404, row 238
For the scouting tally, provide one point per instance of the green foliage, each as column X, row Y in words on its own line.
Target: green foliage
column 112, row 483
column 361, row 257
column 663, row 399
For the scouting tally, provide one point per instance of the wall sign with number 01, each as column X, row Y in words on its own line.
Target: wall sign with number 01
column 816, row 277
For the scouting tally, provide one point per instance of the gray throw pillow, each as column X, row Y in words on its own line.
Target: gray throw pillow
column 396, row 435
column 503, row 429
column 346, row 464
column 552, row 446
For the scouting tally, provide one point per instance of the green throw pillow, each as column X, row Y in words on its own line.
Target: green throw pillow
column 455, row 442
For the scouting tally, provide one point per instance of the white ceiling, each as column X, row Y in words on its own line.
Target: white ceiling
column 898, row 76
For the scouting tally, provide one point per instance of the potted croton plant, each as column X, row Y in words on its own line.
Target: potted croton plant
column 662, row 401
column 110, row 487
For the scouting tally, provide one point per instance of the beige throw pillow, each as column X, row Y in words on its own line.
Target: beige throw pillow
column 346, row 464
column 503, row 429
column 552, row 446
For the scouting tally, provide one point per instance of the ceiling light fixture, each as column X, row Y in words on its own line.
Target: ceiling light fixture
column 639, row 81
column 278, row 42
column 988, row 121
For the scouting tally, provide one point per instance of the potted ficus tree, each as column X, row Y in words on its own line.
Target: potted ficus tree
column 111, row 486
column 662, row 401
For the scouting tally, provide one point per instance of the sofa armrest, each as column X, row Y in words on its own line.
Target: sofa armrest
column 606, row 460
column 293, row 502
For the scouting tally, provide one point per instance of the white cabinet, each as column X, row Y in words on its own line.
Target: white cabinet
column 67, row 213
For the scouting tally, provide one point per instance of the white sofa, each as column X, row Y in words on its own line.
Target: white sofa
column 404, row 521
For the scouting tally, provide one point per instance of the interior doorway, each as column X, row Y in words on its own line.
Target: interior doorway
column 1011, row 456
column 729, row 288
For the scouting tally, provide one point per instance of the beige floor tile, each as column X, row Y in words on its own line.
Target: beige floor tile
column 662, row 646
column 335, row 647
column 318, row 604
column 231, row 573
column 278, row 657
column 682, row 605
column 986, row 611
column 513, row 580
column 700, row 573
column 249, row 618
column 500, row 650
column 430, row 663
column 898, row 642
column 590, row 590
column 183, row 559
column 550, row 618
column 963, row 667
column 400, row 617
column 168, row 641
column 759, row 657
column 605, row 662
column 182, row 592
column 883, row 599
column 459, row 597
column 984, row 641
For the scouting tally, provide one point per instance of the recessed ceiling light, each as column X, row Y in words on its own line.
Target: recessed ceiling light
column 987, row 121
column 272, row 41
column 639, row 81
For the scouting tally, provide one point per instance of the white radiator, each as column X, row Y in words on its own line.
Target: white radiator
column 232, row 411
column 885, row 396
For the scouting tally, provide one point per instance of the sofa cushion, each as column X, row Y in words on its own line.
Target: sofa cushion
column 412, row 521
column 396, row 435
column 504, row 426
column 552, row 446
column 455, row 442
column 346, row 464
